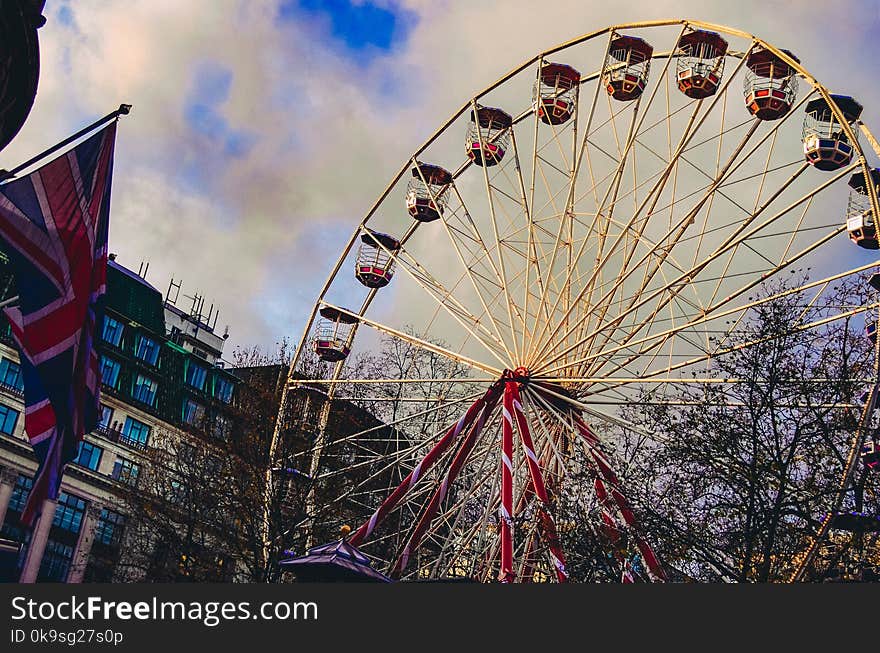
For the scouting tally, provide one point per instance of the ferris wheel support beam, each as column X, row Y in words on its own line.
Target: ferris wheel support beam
column 548, row 529
column 626, row 512
column 423, row 467
column 461, row 456
column 471, row 534
column 605, row 474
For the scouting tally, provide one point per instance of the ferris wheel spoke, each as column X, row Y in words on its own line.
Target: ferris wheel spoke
column 611, row 191
column 751, row 343
column 711, row 315
column 415, row 341
column 500, row 348
column 741, row 234
column 692, row 128
column 497, row 239
column 446, row 299
column 739, row 292
column 660, row 253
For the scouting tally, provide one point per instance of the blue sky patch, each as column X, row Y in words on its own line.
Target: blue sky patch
column 363, row 27
column 64, row 15
column 211, row 88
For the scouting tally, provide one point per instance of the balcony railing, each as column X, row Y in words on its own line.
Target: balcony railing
column 11, row 389
column 115, row 435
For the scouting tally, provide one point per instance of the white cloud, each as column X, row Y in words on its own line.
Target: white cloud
column 327, row 134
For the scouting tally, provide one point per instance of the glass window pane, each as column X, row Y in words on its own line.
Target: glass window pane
column 195, row 375
column 145, row 390
column 10, row 374
column 110, row 372
column 146, row 349
column 8, row 419
column 89, row 455
column 112, row 332
column 135, row 433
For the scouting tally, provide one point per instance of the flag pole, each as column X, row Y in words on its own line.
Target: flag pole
column 7, row 175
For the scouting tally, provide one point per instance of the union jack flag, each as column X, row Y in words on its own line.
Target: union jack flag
column 53, row 224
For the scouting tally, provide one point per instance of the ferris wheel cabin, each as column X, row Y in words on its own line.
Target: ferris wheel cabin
column 625, row 73
column 700, row 63
column 427, row 192
column 826, row 146
column 333, row 334
column 859, row 213
column 374, row 266
column 488, row 136
column 557, row 93
column 770, row 85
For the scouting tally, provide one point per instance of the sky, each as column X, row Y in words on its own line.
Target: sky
column 263, row 130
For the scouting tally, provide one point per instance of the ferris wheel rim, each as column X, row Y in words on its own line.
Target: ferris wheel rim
column 496, row 372
column 785, row 56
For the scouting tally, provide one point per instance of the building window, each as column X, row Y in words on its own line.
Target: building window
column 69, row 513
column 222, row 427
column 196, row 375
column 193, row 412
column 186, row 453
column 145, row 390
column 135, row 433
column 126, row 471
column 213, row 465
column 109, row 529
column 89, row 455
column 20, row 492
column 10, row 374
column 177, row 492
column 110, row 372
column 56, row 562
column 8, row 419
column 106, row 416
column 223, row 389
column 112, row 331
column 146, row 349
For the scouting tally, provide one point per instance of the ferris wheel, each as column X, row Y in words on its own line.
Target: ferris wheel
column 585, row 234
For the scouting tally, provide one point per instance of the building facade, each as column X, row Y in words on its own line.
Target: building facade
column 162, row 376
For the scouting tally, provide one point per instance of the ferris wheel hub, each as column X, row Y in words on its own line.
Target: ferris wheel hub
column 520, row 375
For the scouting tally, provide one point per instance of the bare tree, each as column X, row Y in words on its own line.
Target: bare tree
column 735, row 480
